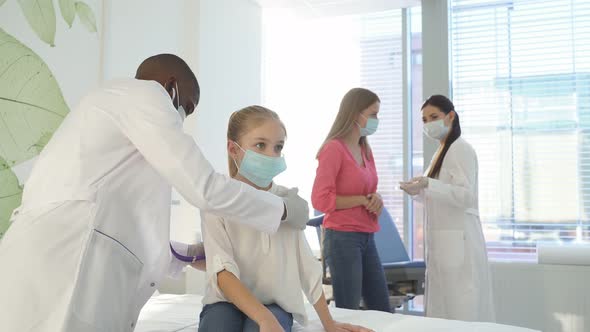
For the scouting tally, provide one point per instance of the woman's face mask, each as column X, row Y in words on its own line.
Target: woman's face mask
column 372, row 122
column 371, row 126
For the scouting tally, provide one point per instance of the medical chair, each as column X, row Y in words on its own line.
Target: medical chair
column 405, row 278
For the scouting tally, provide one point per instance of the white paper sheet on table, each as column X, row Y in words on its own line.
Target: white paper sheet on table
column 180, row 313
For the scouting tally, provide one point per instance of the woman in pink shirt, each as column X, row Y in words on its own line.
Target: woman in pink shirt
column 345, row 190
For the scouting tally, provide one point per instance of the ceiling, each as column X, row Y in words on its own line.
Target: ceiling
column 336, row 7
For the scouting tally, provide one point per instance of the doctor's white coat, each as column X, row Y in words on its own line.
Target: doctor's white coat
column 89, row 243
column 458, row 283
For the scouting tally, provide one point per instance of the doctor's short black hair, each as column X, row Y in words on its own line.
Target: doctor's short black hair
column 161, row 66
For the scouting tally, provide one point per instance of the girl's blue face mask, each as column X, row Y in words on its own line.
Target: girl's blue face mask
column 260, row 169
column 371, row 126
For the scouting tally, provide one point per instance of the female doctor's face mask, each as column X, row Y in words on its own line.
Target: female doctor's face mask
column 437, row 124
column 436, row 129
column 260, row 169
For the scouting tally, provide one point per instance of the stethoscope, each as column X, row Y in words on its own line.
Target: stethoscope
column 188, row 259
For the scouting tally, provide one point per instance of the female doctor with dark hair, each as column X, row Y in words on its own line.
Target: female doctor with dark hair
column 458, row 283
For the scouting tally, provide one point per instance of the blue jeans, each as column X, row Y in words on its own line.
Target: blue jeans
column 356, row 270
column 226, row 317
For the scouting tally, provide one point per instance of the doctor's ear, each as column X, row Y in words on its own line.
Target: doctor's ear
column 170, row 86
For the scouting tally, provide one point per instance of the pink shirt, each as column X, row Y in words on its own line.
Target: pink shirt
column 339, row 174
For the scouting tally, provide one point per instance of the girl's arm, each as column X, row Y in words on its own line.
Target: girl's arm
column 236, row 293
column 329, row 324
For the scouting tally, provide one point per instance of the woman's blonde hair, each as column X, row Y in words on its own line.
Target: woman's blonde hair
column 353, row 103
column 244, row 120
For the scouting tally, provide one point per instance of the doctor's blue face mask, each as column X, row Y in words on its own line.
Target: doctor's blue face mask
column 258, row 168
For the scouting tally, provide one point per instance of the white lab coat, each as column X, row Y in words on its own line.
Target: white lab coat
column 89, row 243
column 458, row 281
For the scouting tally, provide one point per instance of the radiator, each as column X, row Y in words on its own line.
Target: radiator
column 549, row 298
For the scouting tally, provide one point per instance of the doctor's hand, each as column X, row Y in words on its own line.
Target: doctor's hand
column 297, row 210
column 374, row 204
column 415, row 185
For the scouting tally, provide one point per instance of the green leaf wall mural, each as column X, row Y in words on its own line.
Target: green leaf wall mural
column 86, row 16
column 68, row 11
column 10, row 195
column 32, row 105
column 41, row 17
column 31, row 102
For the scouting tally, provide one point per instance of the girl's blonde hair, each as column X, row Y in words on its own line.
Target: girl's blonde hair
column 353, row 103
column 244, row 120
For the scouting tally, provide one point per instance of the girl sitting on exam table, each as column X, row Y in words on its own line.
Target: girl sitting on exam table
column 255, row 279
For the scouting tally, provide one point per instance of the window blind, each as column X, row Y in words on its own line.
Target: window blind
column 521, row 85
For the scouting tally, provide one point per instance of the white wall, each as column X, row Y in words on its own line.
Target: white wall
column 229, row 69
column 219, row 39
column 136, row 29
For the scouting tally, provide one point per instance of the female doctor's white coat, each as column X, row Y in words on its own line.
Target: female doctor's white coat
column 458, row 283
column 89, row 243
